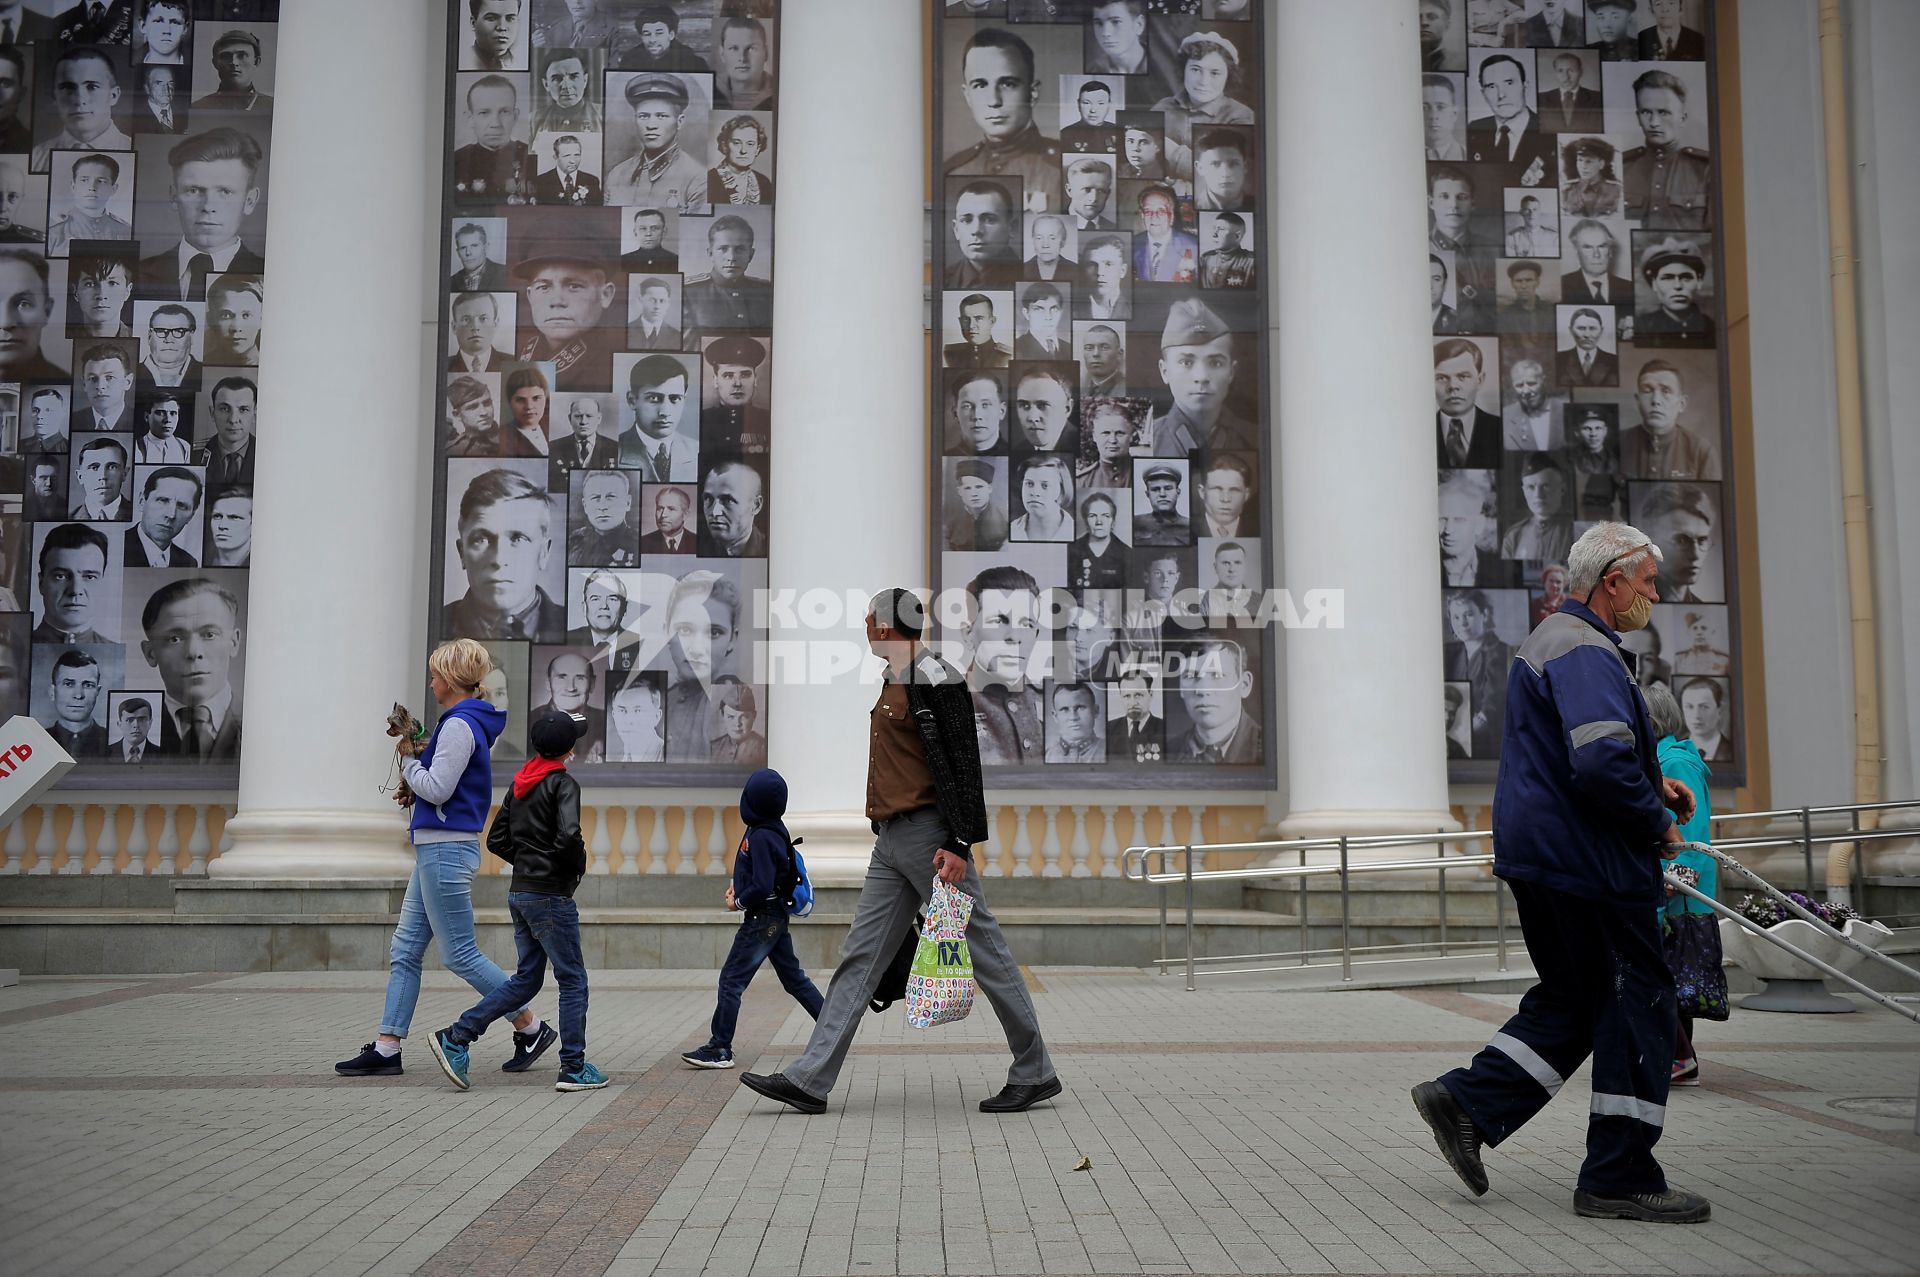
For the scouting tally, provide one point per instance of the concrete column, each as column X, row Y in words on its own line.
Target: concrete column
column 1359, row 502
column 849, row 391
column 338, row 572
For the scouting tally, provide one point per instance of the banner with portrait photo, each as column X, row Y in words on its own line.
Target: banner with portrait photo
column 1574, row 266
column 605, row 432
column 1099, row 412
column 135, row 171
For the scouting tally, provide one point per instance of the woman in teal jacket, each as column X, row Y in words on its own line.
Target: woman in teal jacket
column 1681, row 760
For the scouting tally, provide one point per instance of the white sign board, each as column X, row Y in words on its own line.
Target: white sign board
column 30, row 764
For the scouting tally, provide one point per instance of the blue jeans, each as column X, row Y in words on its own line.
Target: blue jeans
column 439, row 904
column 761, row 936
column 545, row 929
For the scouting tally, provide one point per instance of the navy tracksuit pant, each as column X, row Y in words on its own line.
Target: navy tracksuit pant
column 1604, row 991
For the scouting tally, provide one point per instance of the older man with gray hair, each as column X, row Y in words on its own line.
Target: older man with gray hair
column 1580, row 813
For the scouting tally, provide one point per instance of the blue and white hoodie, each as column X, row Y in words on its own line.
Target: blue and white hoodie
column 452, row 780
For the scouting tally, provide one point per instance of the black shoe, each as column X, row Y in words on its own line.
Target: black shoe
column 1454, row 1132
column 776, row 1087
column 370, row 1063
column 528, row 1047
column 1675, row 1206
column 1018, row 1099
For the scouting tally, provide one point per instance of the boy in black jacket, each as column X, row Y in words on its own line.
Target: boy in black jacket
column 538, row 833
column 762, row 879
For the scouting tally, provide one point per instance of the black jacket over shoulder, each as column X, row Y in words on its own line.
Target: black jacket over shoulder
column 943, row 710
column 539, row 835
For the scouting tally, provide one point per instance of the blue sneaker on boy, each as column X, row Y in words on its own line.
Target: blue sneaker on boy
column 584, row 1078
column 452, row 1056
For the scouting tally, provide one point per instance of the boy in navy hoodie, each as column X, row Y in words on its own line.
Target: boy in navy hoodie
column 538, row 833
column 762, row 868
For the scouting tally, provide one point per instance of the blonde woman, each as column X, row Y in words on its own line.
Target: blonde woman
column 450, row 789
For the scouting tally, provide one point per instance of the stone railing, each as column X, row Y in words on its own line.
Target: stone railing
column 1045, row 835
column 137, row 834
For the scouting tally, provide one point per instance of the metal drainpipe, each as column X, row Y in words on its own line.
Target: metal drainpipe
column 1852, row 437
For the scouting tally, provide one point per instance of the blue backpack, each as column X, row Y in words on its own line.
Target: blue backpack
column 796, row 887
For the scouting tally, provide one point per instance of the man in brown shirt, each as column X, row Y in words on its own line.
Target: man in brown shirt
column 927, row 806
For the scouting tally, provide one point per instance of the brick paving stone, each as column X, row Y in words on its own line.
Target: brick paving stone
column 1229, row 1131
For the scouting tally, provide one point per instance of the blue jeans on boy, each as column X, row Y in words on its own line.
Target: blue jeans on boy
column 439, row 904
column 545, row 929
column 761, row 936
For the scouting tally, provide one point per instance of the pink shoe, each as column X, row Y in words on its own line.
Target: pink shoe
column 1686, row 1073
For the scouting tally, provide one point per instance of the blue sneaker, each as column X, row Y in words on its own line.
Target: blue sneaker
column 584, row 1078
column 452, row 1057
column 709, row 1057
column 528, row 1047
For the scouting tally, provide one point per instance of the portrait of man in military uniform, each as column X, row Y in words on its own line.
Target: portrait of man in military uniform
column 986, row 228
column 725, row 295
column 1668, row 183
column 600, row 518
column 570, row 82
column 977, row 321
column 496, row 165
column 567, row 290
column 733, row 410
column 496, row 36
column 1001, row 86
column 1197, row 365
column 664, row 169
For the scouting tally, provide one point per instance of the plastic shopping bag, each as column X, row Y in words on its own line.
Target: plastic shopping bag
column 940, row 989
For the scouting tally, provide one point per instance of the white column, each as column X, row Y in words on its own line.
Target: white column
column 1354, row 350
column 849, row 386
column 338, row 572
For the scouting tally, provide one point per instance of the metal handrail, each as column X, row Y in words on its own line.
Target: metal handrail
column 1134, row 868
column 1137, row 857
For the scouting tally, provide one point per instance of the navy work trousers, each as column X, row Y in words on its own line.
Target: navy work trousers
column 1604, row 991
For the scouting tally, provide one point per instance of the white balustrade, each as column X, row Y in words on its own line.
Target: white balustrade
column 15, row 847
column 717, row 843
column 1050, row 848
column 630, row 840
column 1078, row 854
column 43, row 844
column 128, row 837
column 75, row 846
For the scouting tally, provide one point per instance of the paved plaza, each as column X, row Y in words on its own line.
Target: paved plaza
column 191, row 1124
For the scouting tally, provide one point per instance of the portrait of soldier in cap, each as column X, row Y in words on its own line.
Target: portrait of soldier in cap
column 568, row 290
column 1159, row 503
column 730, row 420
column 1673, row 273
column 976, row 504
column 662, row 174
column 999, row 80
column 1197, row 365
column 977, row 347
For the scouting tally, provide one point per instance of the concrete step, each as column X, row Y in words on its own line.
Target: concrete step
column 137, row 941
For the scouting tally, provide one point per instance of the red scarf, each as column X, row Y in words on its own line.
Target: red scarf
column 536, row 770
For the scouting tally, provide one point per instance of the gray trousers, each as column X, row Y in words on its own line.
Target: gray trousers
column 899, row 883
